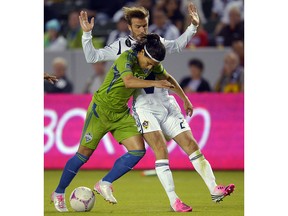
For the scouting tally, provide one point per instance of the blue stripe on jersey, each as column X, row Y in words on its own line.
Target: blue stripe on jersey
column 116, row 76
column 94, row 110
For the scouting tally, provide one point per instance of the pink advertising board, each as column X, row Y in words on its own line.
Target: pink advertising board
column 217, row 124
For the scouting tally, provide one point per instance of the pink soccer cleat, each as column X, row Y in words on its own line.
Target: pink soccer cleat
column 221, row 191
column 105, row 191
column 59, row 202
column 179, row 206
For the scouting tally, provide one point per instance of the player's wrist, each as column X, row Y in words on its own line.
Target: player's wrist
column 87, row 35
column 154, row 83
column 185, row 99
column 193, row 27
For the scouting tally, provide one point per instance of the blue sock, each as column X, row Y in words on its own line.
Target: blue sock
column 70, row 170
column 124, row 164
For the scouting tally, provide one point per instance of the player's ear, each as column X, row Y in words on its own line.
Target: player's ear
column 130, row 28
column 142, row 52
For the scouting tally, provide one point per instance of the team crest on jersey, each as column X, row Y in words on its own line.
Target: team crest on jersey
column 145, row 124
column 88, row 137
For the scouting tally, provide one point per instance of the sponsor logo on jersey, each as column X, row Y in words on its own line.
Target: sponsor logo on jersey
column 128, row 42
column 88, row 137
column 145, row 124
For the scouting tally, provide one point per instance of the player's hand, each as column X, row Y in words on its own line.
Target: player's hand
column 85, row 25
column 188, row 107
column 50, row 78
column 163, row 84
column 192, row 10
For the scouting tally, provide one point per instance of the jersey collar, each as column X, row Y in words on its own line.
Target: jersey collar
column 131, row 38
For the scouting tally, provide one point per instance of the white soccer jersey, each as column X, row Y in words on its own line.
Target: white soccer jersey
column 112, row 51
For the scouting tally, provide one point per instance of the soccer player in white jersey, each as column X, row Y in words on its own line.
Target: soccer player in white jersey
column 154, row 110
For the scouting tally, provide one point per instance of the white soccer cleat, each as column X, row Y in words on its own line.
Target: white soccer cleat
column 59, row 202
column 105, row 191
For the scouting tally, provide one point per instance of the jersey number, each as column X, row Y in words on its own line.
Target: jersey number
column 181, row 125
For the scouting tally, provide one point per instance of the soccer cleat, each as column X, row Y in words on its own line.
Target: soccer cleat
column 105, row 191
column 179, row 206
column 221, row 191
column 59, row 202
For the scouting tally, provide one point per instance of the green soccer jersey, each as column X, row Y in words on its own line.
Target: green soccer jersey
column 112, row 93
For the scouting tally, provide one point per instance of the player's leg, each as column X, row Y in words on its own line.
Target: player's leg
column 91, row 134
column 72, row 166
column 177, row 127
column 148, row 124
column 187, row 142
column 126, row 133
column 136, row 150
column 157, row 142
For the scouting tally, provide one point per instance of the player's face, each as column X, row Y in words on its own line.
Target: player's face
column 145, row 62
column 138, row 27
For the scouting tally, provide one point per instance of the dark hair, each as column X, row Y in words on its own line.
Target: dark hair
column 197, row 63
column 153, row 45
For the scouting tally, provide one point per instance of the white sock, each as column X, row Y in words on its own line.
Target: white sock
column 202, row 166
column 106, row 183
column 165, row 176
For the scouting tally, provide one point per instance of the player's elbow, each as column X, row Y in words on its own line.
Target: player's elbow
column 178, row 47
column 128, row 83
column 90, row 59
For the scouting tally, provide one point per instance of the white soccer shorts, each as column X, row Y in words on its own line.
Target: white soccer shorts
column 165, row 116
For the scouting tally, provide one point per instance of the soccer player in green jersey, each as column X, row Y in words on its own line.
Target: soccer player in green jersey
column 108, row 112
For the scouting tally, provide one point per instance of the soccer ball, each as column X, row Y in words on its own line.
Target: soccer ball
column 82, row 199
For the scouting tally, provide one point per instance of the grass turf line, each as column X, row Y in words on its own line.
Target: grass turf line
column 144, row 195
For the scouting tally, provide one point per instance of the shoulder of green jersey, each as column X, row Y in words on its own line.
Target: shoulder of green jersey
column 126, row 71
column 158, row 72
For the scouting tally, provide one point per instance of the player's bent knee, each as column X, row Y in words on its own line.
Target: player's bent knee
column 85, row 151
column 192, row 143
column 161, row 152
column 139, row 153
column 132, row 157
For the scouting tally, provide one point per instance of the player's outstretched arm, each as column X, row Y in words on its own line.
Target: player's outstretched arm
column 92, row 55
column 179, row 91
column 181, row 42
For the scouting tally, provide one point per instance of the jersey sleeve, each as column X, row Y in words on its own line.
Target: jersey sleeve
column 159, row 70
column 124, row 64
column 181, row 42
column 92, row 55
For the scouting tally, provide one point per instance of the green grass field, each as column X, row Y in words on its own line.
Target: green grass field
column 144, row 195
